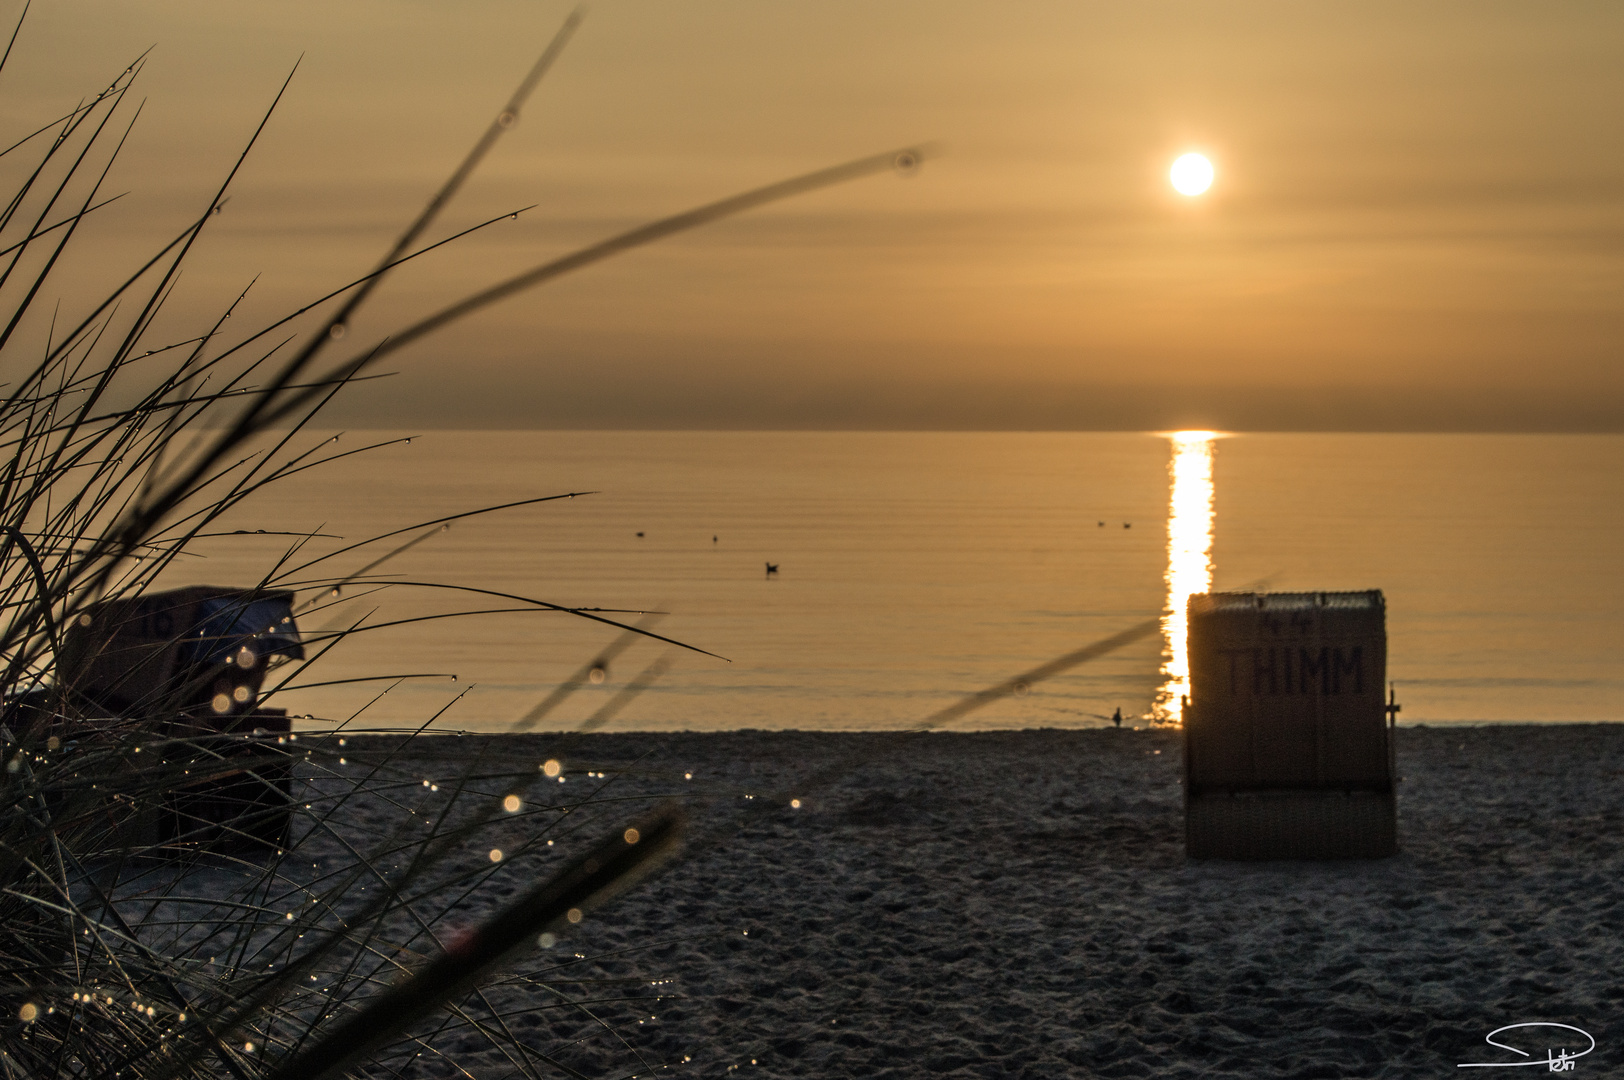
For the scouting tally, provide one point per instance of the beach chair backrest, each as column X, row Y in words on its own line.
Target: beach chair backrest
column 144, row 655
column 1286, row 691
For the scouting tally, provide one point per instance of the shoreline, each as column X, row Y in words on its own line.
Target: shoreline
column 617, row 732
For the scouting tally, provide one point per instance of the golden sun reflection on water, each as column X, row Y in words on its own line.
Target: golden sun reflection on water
column 1189, row 562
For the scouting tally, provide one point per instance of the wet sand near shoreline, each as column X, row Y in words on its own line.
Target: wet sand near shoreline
column 1019, row 904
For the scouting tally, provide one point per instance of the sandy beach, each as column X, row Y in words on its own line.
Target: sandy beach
column 1019, row 904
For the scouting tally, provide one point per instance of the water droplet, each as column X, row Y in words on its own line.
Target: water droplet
column 795, row 804
column 496, row 854
column 547, row 940
column 906, row 162
column 632, row 836
column 573, row 915
column 598, row 673
column 506, row 119
column 512, row 803
column 551, row 767
column 28, row 1013
column 221, row 703
column 336, row 331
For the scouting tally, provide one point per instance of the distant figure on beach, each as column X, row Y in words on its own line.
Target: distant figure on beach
column 1116, row 717
column 713, row 539
column 1102, row 524
column 640, row 536
column 1125, row 525
column 772, row 568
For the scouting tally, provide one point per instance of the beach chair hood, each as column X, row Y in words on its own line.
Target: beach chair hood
column 229, row 623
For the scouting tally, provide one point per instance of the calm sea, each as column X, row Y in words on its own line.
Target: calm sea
column 914, row 568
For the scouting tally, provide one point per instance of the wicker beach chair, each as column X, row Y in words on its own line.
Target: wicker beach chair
column 189, row 665
column 1288, row 741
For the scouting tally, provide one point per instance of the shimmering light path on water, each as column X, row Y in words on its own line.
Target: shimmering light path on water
column 1189, row 561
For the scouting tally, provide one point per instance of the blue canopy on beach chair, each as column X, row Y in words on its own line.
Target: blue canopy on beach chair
column 229, row 623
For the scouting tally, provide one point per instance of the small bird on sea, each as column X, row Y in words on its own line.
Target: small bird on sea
column 772, row 568
column 639, row 536
column 1125, row 525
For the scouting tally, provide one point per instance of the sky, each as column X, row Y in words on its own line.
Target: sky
column 1417, row 221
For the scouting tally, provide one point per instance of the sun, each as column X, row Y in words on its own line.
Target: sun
column 1191, row 174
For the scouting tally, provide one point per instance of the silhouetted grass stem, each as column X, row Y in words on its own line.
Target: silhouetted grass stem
column 583, row 884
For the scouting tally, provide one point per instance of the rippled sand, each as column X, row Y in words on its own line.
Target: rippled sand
column 1019, row 904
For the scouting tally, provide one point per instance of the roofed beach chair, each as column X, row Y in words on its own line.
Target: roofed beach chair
column 190, row 664
column 1288, row 743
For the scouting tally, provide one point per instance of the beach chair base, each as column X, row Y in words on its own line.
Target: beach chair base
column 1291, row 824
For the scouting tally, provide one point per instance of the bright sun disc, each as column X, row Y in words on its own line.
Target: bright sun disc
column 1191, row 174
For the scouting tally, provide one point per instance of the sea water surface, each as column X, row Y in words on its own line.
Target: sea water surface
column 916, row 568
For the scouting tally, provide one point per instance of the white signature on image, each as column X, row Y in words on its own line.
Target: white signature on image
column 1561, row 1061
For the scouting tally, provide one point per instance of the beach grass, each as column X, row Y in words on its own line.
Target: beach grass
column 185, row 897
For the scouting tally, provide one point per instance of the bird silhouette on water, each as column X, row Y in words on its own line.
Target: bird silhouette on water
column 772, row 569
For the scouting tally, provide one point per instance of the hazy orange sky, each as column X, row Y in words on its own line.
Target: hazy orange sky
column 1418, row 221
